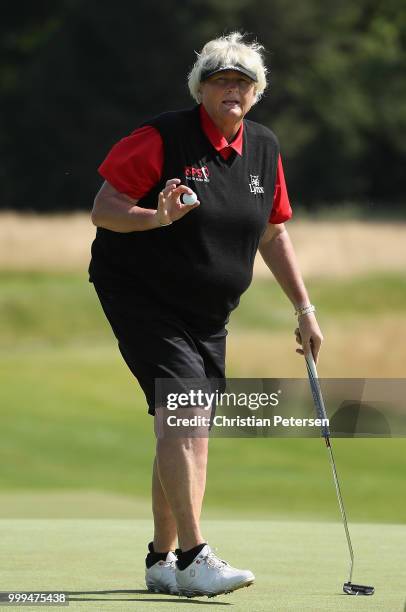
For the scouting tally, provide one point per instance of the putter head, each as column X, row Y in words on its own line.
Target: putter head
column 357, row 589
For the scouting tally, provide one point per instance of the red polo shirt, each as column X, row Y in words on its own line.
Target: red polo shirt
column 134, row 165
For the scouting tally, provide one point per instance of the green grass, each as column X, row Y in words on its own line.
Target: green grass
column 298, row 566
column 49, row 308
column 54, row 309
column 264, row 306
column 74, row 419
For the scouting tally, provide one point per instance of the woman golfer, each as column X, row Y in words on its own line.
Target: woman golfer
column 168, row 274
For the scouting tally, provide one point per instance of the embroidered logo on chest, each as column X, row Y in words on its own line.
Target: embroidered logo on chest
column 200, row 174
column 254, row 185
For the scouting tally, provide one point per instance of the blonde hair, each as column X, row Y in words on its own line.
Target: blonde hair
column 229, row 50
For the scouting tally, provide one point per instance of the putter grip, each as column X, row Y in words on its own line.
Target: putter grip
column 316, row 392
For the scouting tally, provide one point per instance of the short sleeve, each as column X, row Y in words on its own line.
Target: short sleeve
column 134, row 164
column 281, row 209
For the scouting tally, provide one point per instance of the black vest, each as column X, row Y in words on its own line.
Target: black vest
column 198, row 267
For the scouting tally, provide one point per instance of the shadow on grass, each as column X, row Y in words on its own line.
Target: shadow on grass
column 170, row 598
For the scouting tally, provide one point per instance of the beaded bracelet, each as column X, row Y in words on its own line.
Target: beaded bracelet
column 304, row 310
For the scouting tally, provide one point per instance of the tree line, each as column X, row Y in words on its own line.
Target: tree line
column 76, row 76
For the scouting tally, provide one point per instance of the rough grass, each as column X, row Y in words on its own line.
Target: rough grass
column 327, row 248
column 62, row 307
column 362, row 320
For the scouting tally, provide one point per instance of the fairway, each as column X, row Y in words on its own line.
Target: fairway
column 74, row 419
column 298, row 565
column 77, row 448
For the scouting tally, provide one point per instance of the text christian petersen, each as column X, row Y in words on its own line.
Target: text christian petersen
column 204, row 401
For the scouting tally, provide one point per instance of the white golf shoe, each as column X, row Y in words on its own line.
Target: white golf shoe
column 209, row 575
column 160, row 577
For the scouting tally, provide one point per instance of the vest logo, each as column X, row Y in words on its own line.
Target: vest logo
column 201, row 174
column 254, row 185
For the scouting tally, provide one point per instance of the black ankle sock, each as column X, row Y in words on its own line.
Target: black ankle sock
column 153, row 557
column 186, row 558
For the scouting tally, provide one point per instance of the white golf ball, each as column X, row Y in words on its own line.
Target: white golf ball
column 189, row 198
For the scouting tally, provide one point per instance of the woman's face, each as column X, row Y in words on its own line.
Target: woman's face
column 228, row 96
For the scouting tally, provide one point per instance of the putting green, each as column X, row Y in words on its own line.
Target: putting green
column 298, row 565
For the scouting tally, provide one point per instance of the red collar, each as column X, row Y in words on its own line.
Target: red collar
column 216, row 137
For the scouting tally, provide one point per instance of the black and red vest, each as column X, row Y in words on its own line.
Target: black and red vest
column 198, row 267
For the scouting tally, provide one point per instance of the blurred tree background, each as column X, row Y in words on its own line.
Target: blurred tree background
column 76, row 76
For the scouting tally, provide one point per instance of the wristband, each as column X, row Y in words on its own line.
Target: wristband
column 304, row 310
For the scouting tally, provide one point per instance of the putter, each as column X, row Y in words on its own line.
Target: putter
column 349, row 588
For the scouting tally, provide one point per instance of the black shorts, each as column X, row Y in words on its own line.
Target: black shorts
column 155, row 344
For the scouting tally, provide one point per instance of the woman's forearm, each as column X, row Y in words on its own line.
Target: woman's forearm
column 279, row 255
column 119, row 216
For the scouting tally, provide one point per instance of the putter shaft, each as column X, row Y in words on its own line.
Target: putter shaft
column 348, row 588
column 319, row 402
column 341, row 504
